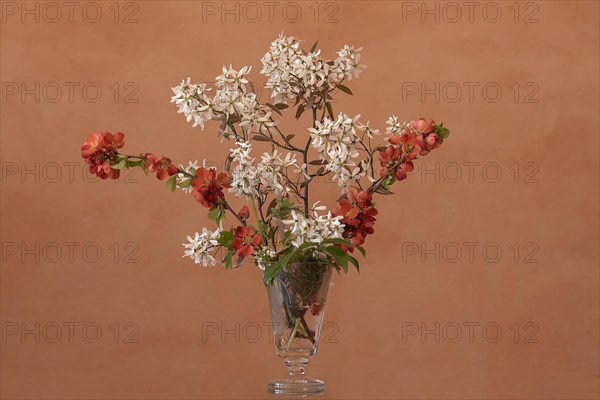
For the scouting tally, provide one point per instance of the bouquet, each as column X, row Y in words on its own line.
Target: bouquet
column 281, row 224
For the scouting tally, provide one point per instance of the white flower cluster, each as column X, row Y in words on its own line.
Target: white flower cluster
column 269, row 173
column 290, row 71
column 315, row 228
column 347, row 64
column 337, row 143
column 201, row 247
column 231, row 101
column 243, row 176
column 394, row 126
column 263, row 256
column 193, row 101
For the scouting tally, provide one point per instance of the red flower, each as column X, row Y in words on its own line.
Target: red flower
column 245, row 240
column 208, row 186
column 244, row 213
column 417, row 140
column 423, row 125
column 100, row 152
column 162, row 166
column 411, row 143
column 114, row 142
column 400, row 174
column 100, row 166
column 93, row 144
column 433, row 141
column 358, row 214
column 388, row 158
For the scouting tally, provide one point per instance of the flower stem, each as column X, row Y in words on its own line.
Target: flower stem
column 260, row 226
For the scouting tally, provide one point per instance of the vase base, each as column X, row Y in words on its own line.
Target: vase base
column 297, row 386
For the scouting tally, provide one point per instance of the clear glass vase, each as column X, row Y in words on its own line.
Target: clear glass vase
column 297, row 298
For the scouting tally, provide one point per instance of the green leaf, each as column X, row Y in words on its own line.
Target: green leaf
column 329, row 110
column 227, row 163
column 262, row 227
column 270, row 272
column 345, row 89
column 313, row 47
column 228, row 259
column 318, row 162
column 214, row 213
column 172, row 183
column 271, row 207
column 121, row 164
column 362, row 250
column 355, row 262
column 303, row 247
column 186, row 183
column 383, row 190
column 285, row 259
column 299, row 111
column 138, row 163
column 225, row 239
column 285, row 207
column 219, row 218
column 272, row 269
column 261, row 138
column 339, row 255
column 441, row 131
column 281, row 106
column 272, row 107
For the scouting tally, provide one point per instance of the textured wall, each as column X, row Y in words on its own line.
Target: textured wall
column 518, row 175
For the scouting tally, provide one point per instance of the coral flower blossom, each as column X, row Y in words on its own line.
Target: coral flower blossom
column 114, row 141
column 100, row 166
column 433, row 141
column 93, row 144
column 423, row 125
column 245, row 240
column 162, row 166
column 388, row 158
column 208, row 186
column 100, row 150
column 358, row 213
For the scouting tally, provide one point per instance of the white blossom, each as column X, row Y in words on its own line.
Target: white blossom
column 192, row 100
column 347, row 64
column 342, row 165
column 337, row 144
column 393, row 125
column 244, row 176
column 263, row 256
column 201, row 247
column 272, row 170
column 370, row 132
column 291, row 72
column 231, row 100
column 314, row 228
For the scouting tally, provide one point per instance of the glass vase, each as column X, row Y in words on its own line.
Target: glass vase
column 297, row 298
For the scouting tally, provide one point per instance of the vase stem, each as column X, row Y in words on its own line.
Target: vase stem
column 296, row 366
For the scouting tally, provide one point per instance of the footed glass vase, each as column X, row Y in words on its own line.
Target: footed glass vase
column 297, row 297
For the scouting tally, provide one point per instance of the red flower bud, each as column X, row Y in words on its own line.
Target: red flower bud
column 244, row 213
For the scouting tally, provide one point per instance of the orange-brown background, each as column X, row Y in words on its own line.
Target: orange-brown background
column 170, row 299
